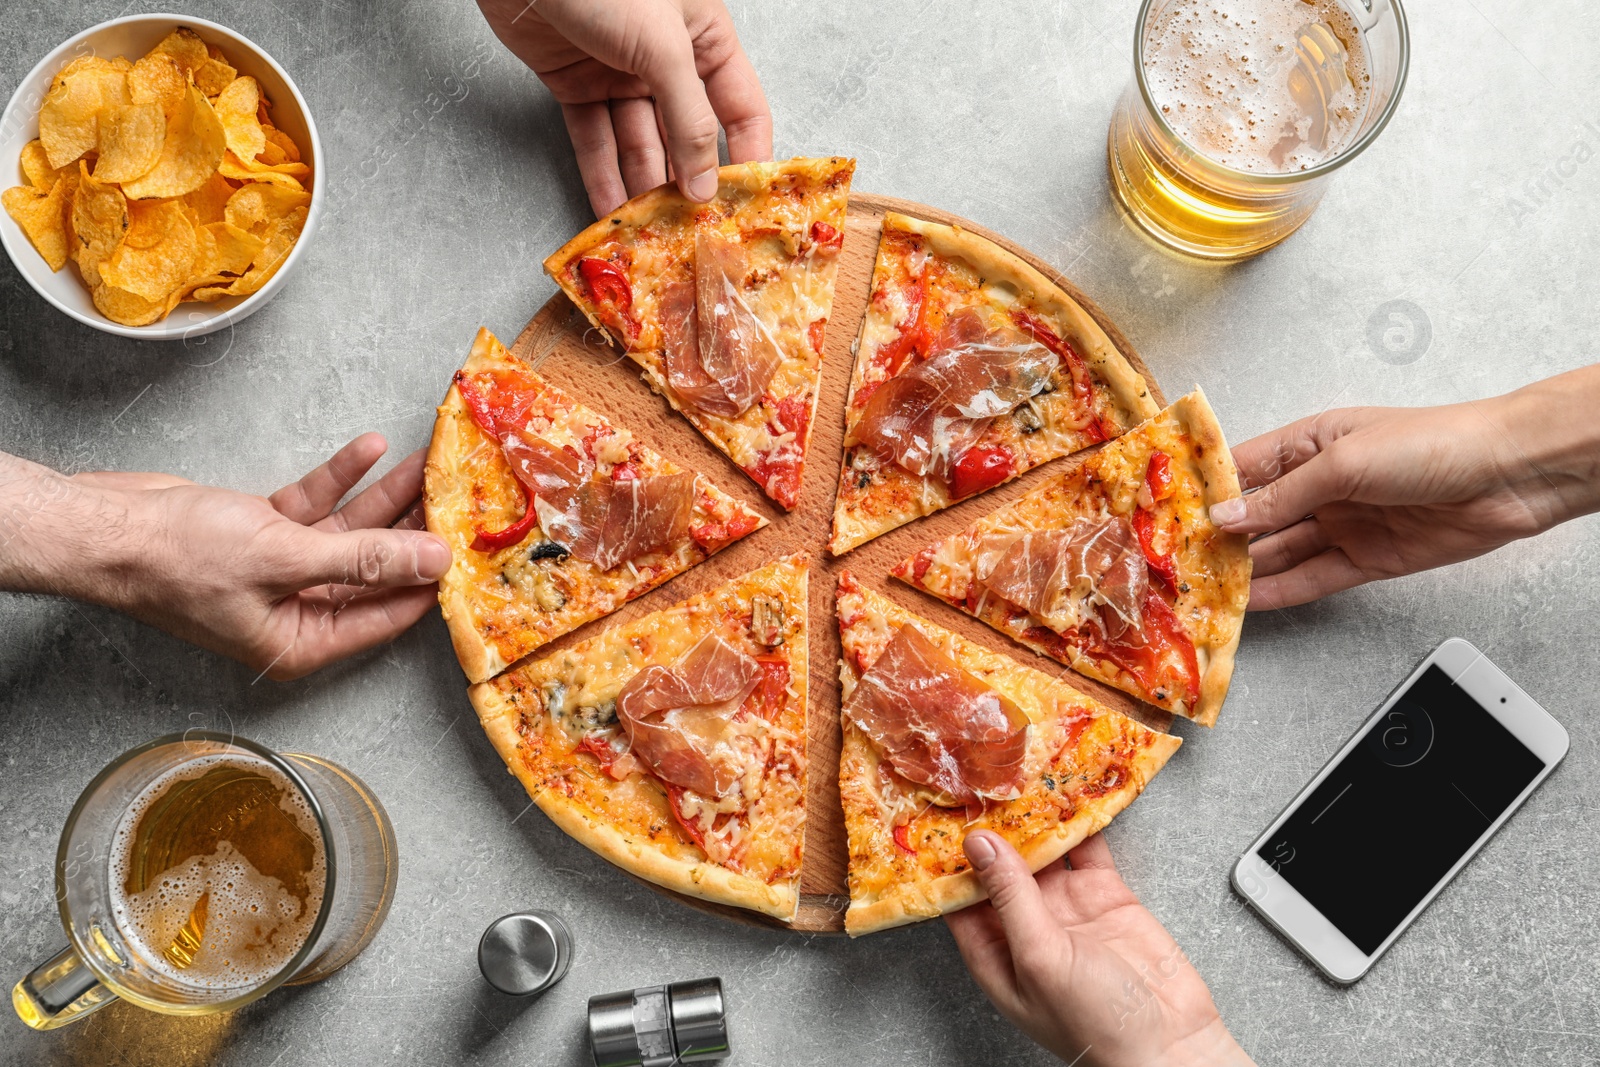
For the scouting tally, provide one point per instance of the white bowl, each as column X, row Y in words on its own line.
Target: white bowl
column 133, row 36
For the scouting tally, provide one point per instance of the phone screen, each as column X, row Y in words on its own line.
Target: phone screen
column 1408, row 801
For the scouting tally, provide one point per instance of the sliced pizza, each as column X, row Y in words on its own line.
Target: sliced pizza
column 942, row 737
column 675, row 745
column 1114, row 567
column 554, row 516
column 971, row 368
column 724, row 304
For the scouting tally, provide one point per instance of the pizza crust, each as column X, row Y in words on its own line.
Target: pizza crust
column 1220, row 481
column 952, row 892
column 1126, row 385
column 479, row 659
column 703, row 880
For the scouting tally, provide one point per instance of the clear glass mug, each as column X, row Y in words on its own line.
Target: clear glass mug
column 1196, row 205
column 107, row 959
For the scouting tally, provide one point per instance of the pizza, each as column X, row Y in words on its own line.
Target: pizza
column 553, row 515
column 675, row 745
column 724, row 304
column 971, row 368
column 1114, row 567
column 941, row 737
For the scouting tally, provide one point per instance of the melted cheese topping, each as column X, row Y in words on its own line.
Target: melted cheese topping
column 1111, row 481
column 1078, row 753
column 523, row 595
column 788, row 285
column 881, row 496
column 756, row 829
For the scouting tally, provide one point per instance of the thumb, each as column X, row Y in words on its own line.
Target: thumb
column 1286, row 501
column 666, row 63
column 371, row 559
column 1012, row 890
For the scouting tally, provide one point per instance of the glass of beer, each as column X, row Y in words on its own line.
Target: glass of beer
column 1241, row 110
column 201, row 871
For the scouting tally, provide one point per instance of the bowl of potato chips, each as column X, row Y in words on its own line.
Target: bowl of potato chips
column 167, row 177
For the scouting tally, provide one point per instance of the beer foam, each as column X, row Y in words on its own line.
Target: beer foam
column 254, row 925
column 1270, row 86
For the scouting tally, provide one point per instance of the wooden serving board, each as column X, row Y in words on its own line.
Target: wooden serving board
column 567, row 350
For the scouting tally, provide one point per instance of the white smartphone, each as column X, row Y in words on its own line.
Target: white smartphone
column 1408, row 800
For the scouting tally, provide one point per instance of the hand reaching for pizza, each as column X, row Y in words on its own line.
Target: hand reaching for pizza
column 286, row 584
column 1073, row 959
column 643, row 86
column 1359, row 494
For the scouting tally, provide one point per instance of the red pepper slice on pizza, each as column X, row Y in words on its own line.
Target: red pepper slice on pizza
column 724, row 304
column 554, row 515
column 971, row 368
column 1114, row 567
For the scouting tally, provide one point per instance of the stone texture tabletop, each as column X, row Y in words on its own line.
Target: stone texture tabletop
column 1455, row 259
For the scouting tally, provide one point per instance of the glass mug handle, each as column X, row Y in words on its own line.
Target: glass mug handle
column 59, row 991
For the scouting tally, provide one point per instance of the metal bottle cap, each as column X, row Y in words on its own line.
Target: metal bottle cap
column 525, row 953
column 659, row 1026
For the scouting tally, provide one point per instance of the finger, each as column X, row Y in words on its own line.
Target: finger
column 1286, row 501
column 595, row 144
column 641, row 156
column 1319, row 576
column 384, row 501
column 736, row 97
column 667, row 64
column 331, row 629
column 1276, row 553
column 982, row 944
column 314, row 496
column 1092, row 854
column 370, row 559
column 414, row 519
column 1271, row 455
column 1012, row 891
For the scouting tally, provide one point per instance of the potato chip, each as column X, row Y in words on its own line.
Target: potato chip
column 36, row 166
column 236, row 109
column 258, row 206
column 99, row 220
column 209, row 203
column 194, row 145
column 224, row 248
column 276, row 136
column 214, row 75
column 186, row 47
column 280, row 242
column 287, row 175
column 41, row 217
column 157, row 253
column 67, row 118
column 157, row 79
column 130, row 142
column 129, row 309
column 271, row 155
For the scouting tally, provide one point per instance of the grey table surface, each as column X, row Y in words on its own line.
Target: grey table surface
column 449, row 178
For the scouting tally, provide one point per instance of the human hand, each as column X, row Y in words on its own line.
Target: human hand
column 285, row 583
column 643, row 84
column 1359, row 494
column 1072, row 958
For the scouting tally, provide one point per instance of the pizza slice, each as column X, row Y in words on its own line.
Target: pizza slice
column 553, row 515
column 724, row 304
column 971, row 368
column 675, row 745
column 1114, row 567
column 942, row 737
